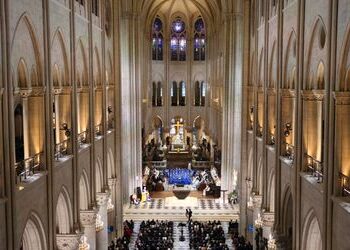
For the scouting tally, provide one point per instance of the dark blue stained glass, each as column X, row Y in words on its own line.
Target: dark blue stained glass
column 178, row 26
column 157, row 25
column 199, row 40
column 157, row 40
column 199, row 25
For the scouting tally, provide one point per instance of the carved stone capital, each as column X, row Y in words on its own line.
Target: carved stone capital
column 62, row 90
column 68, row 241
column 271, row 91
column 268, row 219
column 287, row 93
column 312, row 95
column 260, row 89
column 257, row 201
column 88, row 218
column 342, row 98
column 102, row 198
column 112, row 182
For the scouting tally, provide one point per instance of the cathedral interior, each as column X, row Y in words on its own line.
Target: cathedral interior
column 126, row 118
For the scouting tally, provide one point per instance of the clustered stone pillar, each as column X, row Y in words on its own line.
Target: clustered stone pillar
column 232, row 116
column 102, row 236
column 88, row 222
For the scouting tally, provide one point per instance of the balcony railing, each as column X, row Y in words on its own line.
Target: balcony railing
column 28, row 167
column 82, row 138
column 156, row 164
column 314, row 167
column 345, row 184
column 61, row 149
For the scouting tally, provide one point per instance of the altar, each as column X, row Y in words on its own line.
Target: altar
column 177, row 133
column 177, row 144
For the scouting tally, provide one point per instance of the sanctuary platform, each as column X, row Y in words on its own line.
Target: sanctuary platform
column 165, row 206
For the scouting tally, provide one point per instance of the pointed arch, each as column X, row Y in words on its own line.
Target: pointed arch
column 273, row 67
column 289, row 60
column 81, row 64
column 22, row 74
column 99, row 175
column 84, row 191
column 344, row 63
column 33, row 237
column 287, row 212
column 64, row 213
column 315, row 51
column 59, row 56
column 261, row 68
column 312, row 237
column 97, row 67
column 109, row 69
column 271, row 191
column 110, row 164
column 25, row 42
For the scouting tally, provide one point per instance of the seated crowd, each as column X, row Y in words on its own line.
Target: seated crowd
column 155, row 234
column 240, row 242
column 207, row 235
column 122, row 243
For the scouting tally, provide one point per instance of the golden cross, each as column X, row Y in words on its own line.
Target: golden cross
column 177, row 126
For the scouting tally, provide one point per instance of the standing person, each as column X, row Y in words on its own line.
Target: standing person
column 189, row 214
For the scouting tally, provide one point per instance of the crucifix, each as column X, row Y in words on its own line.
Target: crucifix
column 177, row 126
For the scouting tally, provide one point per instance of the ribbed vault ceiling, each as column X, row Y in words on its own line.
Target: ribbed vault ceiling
column 209, row 9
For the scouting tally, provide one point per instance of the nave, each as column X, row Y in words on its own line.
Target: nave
column 181, row 236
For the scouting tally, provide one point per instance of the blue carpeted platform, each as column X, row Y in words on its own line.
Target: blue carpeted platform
column 179, row 176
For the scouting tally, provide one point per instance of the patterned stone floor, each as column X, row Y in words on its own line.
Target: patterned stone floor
column 159, row 203
column 206, row 209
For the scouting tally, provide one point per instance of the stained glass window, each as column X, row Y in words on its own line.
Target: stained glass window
column 174, row 94
column 182, row 98
column 200, row 92
column 199, row 40
column 157, row 94
column 157, row 39
column 178, row 43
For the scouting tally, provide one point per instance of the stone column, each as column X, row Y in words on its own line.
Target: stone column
column 111, row 206
column 232, row 116
column 257, row 201
column 88, row 221
column 25, row 127
column 128, row 103
column 68, row 241
column 102, row 236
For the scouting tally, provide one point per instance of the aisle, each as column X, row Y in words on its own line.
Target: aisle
column 134, row 234
column 227, row 236
column 178, row 245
